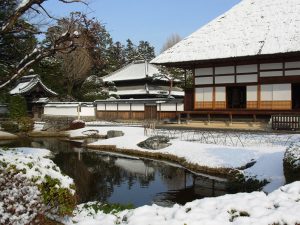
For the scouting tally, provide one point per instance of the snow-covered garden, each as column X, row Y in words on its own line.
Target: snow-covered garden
column 26, row 170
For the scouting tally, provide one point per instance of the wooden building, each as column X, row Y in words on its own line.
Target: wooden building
column 35, row 92
column 140, row 80
column 246, row 61
column 138, row 109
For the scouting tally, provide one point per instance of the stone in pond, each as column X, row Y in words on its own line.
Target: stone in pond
column 155, row 143
column 114, row 133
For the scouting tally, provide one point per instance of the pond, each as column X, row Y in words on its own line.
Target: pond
column 100, row 176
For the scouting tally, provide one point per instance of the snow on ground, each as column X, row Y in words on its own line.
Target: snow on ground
column 280, row 207
column 268, row 155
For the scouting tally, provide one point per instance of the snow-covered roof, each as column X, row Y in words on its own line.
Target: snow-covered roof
column 148, row 90
column 26, row 83
column 133, row 71
column 252, row 27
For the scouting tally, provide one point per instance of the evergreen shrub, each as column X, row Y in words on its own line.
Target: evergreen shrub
column 17, row 107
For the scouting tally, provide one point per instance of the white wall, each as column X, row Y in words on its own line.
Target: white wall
column 276, row 92
column 224, row 70
column 271, row 74
column 124, row 107
column 246, row 78
column 168, row 107
column 137, row 107
column 220, row 94
column 224, row 79
column 203, row 71
column 68, row 110
column 271, row 66
column 204, row 94
column 252, row 93
column 247, row 68
column 203, row 80
column 290, row 65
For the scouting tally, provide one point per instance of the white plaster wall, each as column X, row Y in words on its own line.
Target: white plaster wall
column 137, row 107
column 100, row 107
column 271, row 74
column 203, row 71
column 111, row 107
column 292, row 72
column 290, row 65
column 61, row 111
column 271, row 66
column 282, row 92
column 224, row 79
column 180, row 107
column 246, row 78
column 199, row 95
column 220, row 94
column 224, row 70
column 87, row 111
column 252, row 93
column 246, row 68
column 266, row 92
column 203, row 80
column 168, row 107
column 124, row 107
column 208, row 94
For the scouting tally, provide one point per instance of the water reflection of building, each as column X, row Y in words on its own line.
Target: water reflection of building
column 135, row 166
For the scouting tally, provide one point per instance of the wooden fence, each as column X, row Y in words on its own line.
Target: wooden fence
column 286, row 122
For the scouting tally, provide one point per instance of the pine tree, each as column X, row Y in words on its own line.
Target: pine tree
column 13, row 45
column 146, row 51
column 131, row 53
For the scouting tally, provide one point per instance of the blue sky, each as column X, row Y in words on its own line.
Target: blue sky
column 150, row 20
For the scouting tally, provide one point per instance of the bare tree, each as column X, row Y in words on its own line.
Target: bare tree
column 171, row 41
column 62, row 43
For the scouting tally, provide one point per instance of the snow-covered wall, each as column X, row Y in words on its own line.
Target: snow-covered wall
column 69, row 109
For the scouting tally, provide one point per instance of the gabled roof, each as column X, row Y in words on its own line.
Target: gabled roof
column 252, row 27
column 27, row 83
column 134, row 71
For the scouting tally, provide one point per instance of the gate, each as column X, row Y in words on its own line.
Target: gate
column 150, row 112
column 285, row 122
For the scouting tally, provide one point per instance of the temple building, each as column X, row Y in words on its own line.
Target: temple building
column 35, row 92
column 141, row 80
column 246, row 61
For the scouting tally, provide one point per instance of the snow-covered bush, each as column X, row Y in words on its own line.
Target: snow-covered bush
column 32, row 187
column 291, row 162
column 20, row 201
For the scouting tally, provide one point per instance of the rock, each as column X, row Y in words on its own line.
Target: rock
column 155, row 143
column 56, row 124
column 114, row 133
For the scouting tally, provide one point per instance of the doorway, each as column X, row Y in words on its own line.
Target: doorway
column 150, row 112
column 236, row 97
column 296, row 96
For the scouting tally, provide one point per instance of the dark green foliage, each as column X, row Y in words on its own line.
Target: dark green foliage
column 57, row 197
column 10, row 126
column 146, row 51
column 26, row 124
column 17, row 107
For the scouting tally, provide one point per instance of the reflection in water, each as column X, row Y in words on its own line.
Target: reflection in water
column 108, row 178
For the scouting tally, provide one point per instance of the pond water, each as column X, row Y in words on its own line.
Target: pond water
column 105, row 177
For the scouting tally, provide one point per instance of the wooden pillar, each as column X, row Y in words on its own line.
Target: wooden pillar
column 179, row 118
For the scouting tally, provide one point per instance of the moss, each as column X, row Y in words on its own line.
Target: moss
column 30, row 165
column 57, row 197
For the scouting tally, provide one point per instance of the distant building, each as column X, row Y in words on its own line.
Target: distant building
column 35, row 92
column 140, row 80
column 246, row 61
